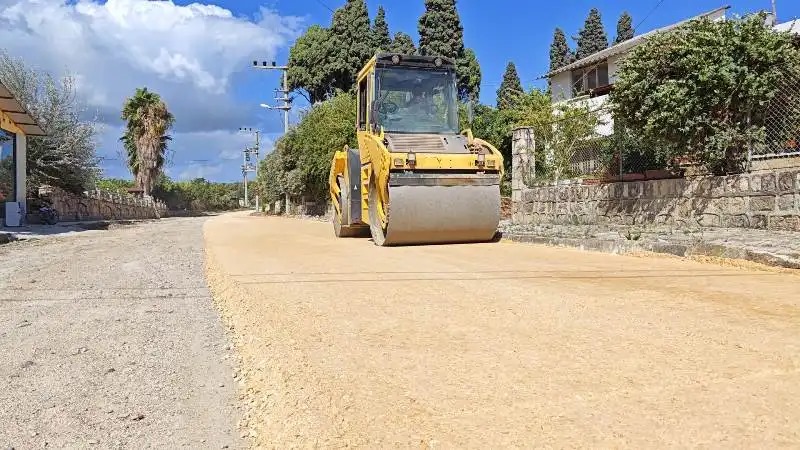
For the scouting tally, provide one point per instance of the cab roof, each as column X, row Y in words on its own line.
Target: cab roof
column 385, row 59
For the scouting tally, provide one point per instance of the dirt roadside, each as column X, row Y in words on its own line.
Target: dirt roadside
column 110, row 340
column 501, row 345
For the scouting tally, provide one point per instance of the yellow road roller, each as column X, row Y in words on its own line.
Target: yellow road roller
column 414, row 178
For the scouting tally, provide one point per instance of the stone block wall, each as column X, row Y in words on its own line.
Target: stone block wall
column 101, row 205
column 300, row 207
column 767, row 199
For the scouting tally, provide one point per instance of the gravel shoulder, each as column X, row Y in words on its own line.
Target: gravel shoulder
column 110, row 340
column 502, row 345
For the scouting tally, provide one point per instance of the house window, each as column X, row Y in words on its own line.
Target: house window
column 591, row 80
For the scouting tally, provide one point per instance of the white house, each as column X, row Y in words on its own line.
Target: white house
column 15, row 125
column 591, row 79
column 792, row 26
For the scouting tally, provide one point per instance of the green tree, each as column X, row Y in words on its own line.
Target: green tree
column 325, row 128
column 351, row 37
column 469, row 76
column 624, row 28
column 492, row 125
column 559, row 131
column 300, row 163
column 441, row 34
column 560, row 53
column 117, row 185
column 592, row 37
column 311, row 64
column 65, row 157
column 510, row 89
column 198, row 195
column 703, row 91
column 380, row 31
column 403, row 44
column 270, row 182
column 440, row 30
column 145, row 138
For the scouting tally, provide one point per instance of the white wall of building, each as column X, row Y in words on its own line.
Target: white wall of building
column 599, row 104
column 561, row 87
column 613, row 67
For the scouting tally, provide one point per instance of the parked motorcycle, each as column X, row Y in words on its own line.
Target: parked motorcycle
column 48, row 215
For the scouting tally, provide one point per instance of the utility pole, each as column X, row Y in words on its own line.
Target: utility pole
column 250, row 165
column 287, row 101
column 284, row 91
column 774, row 11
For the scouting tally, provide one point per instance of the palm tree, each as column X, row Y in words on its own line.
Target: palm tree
column 145, row 138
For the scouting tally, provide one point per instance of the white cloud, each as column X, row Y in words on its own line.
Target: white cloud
column 190, row 54
column 131, row 41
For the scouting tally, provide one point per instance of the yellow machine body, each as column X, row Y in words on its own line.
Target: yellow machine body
column 412, row 186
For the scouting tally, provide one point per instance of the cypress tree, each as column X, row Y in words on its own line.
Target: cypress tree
column 468, row 71
column 440, row 30
column 380, row 31
column 441, row 34
column 510, row 89
column 624, row 28
column 592, row 38
column 403, row 44
column 351, row 36
column 560, row 53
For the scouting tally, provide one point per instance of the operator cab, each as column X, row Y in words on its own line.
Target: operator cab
column 414, row 100
column 409, row 94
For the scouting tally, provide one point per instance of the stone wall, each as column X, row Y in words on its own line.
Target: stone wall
column 765, row 199
column 300, row 207
column 99, row 205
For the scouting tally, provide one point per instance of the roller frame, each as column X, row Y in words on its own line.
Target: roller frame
column 382, row 170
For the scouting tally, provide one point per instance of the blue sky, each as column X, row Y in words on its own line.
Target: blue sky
column 197, row 55
column 501, row 30
column 521, row 31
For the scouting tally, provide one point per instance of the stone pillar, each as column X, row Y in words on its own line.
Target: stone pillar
column 21, row 187
column 521, row 154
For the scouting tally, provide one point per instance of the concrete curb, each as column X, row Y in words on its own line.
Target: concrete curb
column 676, row 249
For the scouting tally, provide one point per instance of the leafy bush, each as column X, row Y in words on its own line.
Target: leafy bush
column 559, row 131
column 198, row 194
column 492, row 125
column 701, row 91
column 301, row 161
column 118, row 185
column 195, row 195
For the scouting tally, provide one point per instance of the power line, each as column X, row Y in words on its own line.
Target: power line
column 648, row 15
column 324, row 5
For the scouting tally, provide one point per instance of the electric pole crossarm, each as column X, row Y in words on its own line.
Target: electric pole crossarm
column 287, row 101
column 247, row 165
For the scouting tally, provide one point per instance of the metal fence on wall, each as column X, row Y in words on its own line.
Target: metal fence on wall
column 782, row 124
column 601, row 158
column 596, row 158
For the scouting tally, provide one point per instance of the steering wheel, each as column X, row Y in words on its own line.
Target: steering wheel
column 388, row 107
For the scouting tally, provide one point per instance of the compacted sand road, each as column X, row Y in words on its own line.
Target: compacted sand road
column 499, row 345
